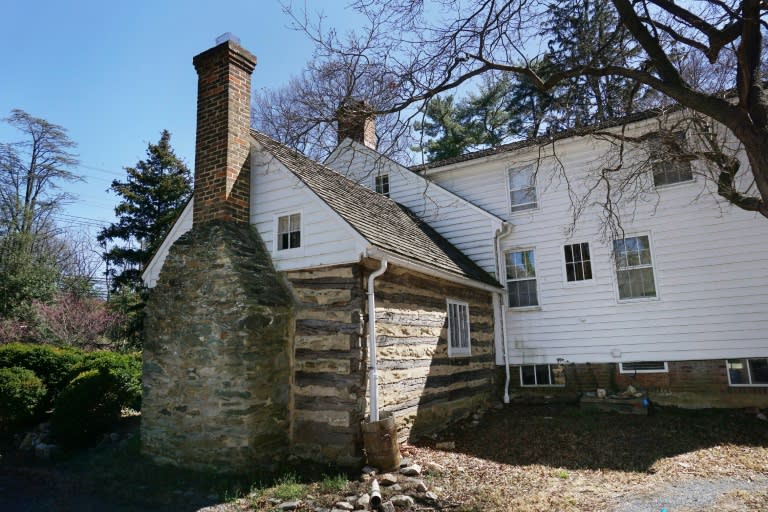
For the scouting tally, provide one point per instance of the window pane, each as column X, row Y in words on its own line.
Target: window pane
column 570, row 272
column 585, row 251
column 758, row 370
column 587, row 270
column 295, row 239
column 523, row 293
column 528, row 376
column 737, row 371
column 283, row 225
column 542, row 374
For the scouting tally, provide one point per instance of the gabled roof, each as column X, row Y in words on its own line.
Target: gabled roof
column 543, row 139
column 384, row 223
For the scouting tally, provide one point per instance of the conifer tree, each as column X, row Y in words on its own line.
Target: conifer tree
column 153, row 195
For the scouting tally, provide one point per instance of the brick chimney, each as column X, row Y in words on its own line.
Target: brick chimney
column 356, row 120
column 222, row 149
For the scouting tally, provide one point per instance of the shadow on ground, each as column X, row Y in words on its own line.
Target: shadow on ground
column 568, row 437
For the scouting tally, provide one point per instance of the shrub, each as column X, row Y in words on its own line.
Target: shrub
column 20, row 394
column 86, row 407
column 55, row 367
column 126, row 369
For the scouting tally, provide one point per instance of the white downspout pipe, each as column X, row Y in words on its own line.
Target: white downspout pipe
column 506, row 230
column 372, row 369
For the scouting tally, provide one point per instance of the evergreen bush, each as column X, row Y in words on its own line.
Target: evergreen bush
column 21, row 393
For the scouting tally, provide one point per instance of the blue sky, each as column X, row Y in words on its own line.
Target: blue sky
column 115, row 74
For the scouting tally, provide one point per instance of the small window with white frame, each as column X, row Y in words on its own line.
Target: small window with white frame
column 522, row 188
column 381, row 184
column 668, row 162
column 634, row 267
column 532, row 375
column 748, row 372
column 459, row 343
column 578, row 262
column 289, row 232
column 521, row 279
column 644, row 367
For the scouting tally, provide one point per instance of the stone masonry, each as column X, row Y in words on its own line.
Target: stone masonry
column 218, row 354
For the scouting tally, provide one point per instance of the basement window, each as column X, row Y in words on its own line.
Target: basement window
column 381, row 183
column 458, row 329
column 669, row 165
column 748, row 372
column 644, row 367
column 542, row 375
column 289, row 231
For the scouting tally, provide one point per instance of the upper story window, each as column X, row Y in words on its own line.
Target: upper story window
column 521, row 279
column 666, row 160
column 458, row 329
column 634, row 267
column 578, row 263
column 289, row 231
column 381, row 183
column 522, row 188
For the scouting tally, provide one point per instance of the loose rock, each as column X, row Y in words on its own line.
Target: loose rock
column 412, row 470
column 445, row 445
column 402, row 500
column 388, row 479
column 434, row 467
column 367, row 470
column 289, row 505
column 421, row 486
column 343, row 505
column 430, row 496
column 364, row 500
column 387, row 506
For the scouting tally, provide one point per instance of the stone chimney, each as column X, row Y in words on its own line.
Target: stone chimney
column 356, row 120
column 222, row 149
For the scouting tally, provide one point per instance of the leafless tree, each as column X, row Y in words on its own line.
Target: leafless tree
column 425, row 48
column 31, row 171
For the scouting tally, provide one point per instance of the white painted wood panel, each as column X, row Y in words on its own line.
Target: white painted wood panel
column 466, row 226
column 181, row 226
column 710, row 262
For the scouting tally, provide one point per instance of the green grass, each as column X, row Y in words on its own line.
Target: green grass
column 333, row 483
column 288, row 487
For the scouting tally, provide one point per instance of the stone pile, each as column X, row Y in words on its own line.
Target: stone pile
column 401, row 490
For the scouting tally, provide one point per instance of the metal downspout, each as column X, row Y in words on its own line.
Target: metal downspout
column 372, row 368
column 506, row 230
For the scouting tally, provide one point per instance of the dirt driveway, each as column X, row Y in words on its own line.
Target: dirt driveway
column 519, row 458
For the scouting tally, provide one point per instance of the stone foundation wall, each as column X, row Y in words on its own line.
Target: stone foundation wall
column 418, row 382
column 329, row 378
column 693, row 384
column 217, row 355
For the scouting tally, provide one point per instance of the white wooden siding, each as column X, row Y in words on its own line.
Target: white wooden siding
column 325, row 238
column 181, row 226
column 710, row 265
column 466, row 226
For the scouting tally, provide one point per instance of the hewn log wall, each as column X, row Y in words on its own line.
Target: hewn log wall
column 418, row 382
column 328, row 386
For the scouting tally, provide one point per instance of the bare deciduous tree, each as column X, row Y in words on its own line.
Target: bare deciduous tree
column 421, row 49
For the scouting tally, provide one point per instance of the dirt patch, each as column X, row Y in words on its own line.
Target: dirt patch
column 521, row 458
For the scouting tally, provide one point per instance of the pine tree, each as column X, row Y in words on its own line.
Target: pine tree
column 153, row 195
column 588, row 33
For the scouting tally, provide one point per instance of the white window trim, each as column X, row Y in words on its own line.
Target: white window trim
column 549, row 366
column 389, row 184
column 632, row 372
column 727, row 370
column 584, row 282
column 276, row 237
column 537, row 205
column 654, row 263
column 677, row 183
column 510, row 307
column 458, row 351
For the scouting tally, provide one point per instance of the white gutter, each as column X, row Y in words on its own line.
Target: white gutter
column 372, row 373
column 380, row 254
column 505, row 231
